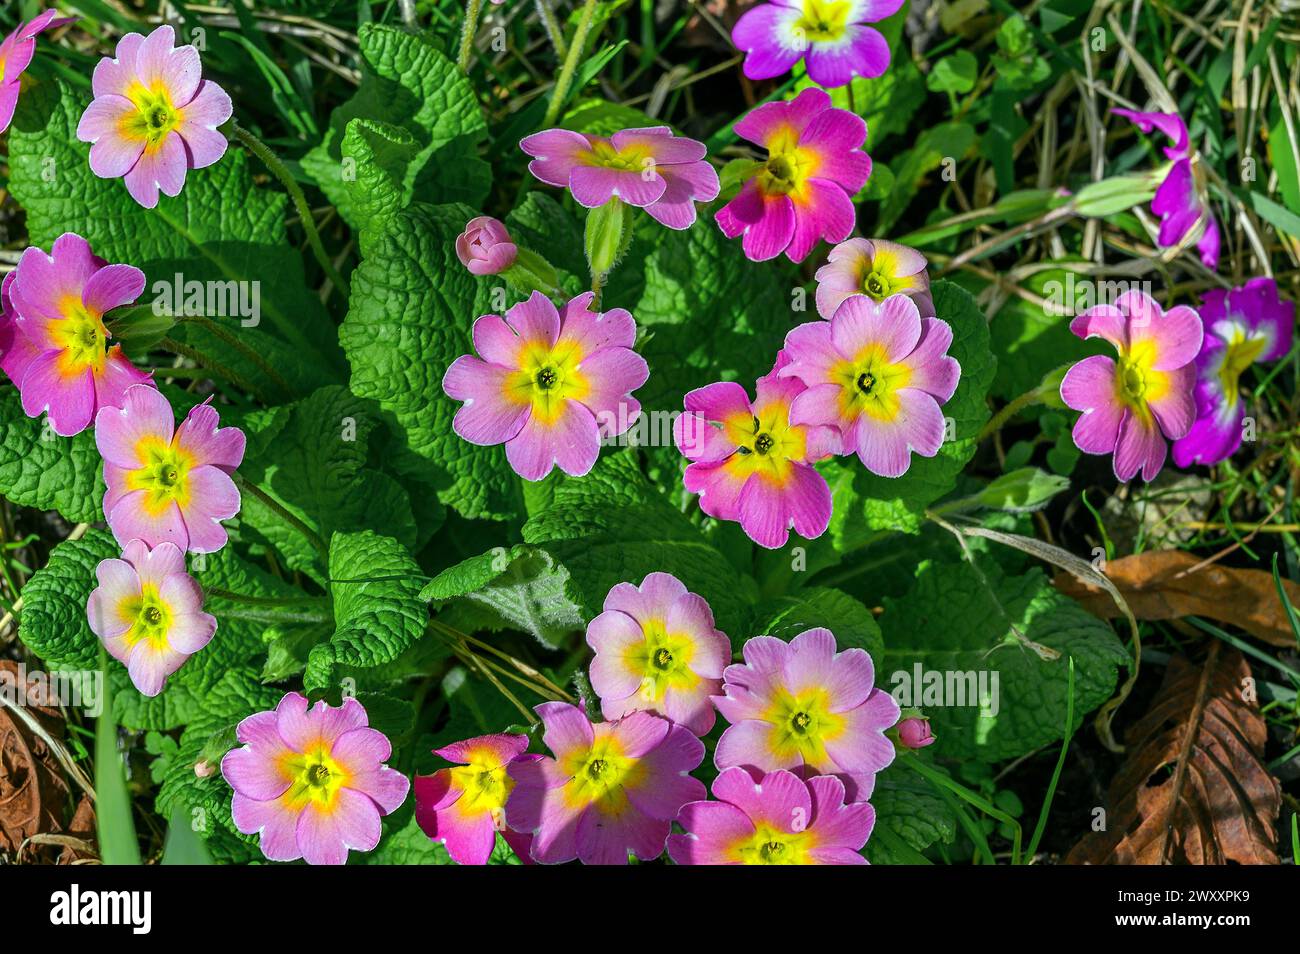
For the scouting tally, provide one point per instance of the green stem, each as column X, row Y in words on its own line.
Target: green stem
column 467, row 34
column 233, row 597
column 277, row 168
column 552, row 27
column 210, row 364
column 251, row 354
column 1029, row 398
column 565, row 79
column 941, row 781
column 280, row 511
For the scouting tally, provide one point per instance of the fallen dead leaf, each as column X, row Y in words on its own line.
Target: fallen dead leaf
column 1158, row 585
column 1194, row 789
column 35, row 796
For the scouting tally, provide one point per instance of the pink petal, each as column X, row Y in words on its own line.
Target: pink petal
column 814, row 664
column 199, row 122
column 557, row 152
column 712, row 829
column 933, row 370
column 69, row 400
column 767, row 34
column 862, row 52
column 894, row 323
column 201, row 434
column 781, row 800
column 490, row 414
column 277, row 826
column 1141, row 447
column 567, row 729
column 822, row 210
column 613, row 635
column 111, row 154
column 214, row 498
column 326, row 834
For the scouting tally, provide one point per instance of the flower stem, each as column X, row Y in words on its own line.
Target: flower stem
column 942, row 781
column 467, row 34
column 215, row 329
column 552, row 27
column 280, row 511
column 277, row 168
column 209, row 364
column 565, row 79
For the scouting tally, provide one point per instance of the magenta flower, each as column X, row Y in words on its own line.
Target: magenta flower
column 756, row 466
column 16, row 52
column 312, row 782
column 1130, row 408
column 464, row 807
column 914, row 732
column 1243, row 326
column 148, row 612
column 485, row 247
column 1180, row 201
column 877, row 371
column 648, row 167
column 778, row 819
column 804, row 191
column 829, row 35
column 54, row 341
column 548, row 384
column 167, row 483
column 613, row 788
column 875, row 268
column 657, row 650
column 154, row 116
column 802, row 706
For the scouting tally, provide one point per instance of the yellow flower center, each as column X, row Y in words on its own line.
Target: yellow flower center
column 315, row 777
column 485, row 783
column 547, row 379
column 802, row 725
column 662, row 661
column 766, row 445
column 824, row 20
column 869, row 384
column 768, row 846
column 788, row 166
column 154, row 115
column 599, row 775
column 632, row 158
column 82, row 335
column 1137, row 382
column 152, row 618
column 1243, row 350
column 163, row 473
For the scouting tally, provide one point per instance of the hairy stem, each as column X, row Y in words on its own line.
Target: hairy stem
column 277, row 168
column 467, row 34
column 565, row 79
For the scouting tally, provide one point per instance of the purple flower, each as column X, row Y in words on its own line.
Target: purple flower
column 1132, row 404
column 648, row 167
column 878, row 372
column 774, row 819
column 153, row 116
column 1180, row 201
column 805, row 707
column 548, row 384
column 829, row 35
column 1243, row 326
column 612, row 789
column 875, row 268
column 16, row 55
column 54, row 342
column 485, row 247
column 804, row 190
column 914, row 732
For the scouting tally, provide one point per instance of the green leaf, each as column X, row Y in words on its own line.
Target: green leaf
column 612, row 526
column 53, row 624
column 956, row 73
column 410, row 315
column 378, row 612
column 381, row 154
column 946, row 141
column 955, row 625
column 42, row 470
column 410, row 85
column 899, row 503
column 183, row 846
column 220, row 229
column 521, row 588
column 313, row 457
column 817, row 606
column 907, row 811
column 1022, row 491
column 117, row 839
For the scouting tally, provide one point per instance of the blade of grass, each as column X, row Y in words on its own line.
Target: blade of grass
column 1286, row 602
column 1060, row 764
column 117, row 840
column 183, row 845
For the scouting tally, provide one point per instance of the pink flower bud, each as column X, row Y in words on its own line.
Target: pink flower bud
column 485, row 247
column 203, row 768
column 914, row 733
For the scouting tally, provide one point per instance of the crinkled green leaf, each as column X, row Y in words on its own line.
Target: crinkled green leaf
column 53, row 623
column 412, row 308
column 378, row 613
column 42, row 470
column 612, row 526
column 318, row 467
column 952, row 621
column 520, row 588
column 819, row 606
column 407, row 83
column 910, row 811
column 221, row 228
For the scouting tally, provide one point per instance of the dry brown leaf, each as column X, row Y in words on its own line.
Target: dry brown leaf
column 34, row 792
column 1194, row 789
column 1157, row 585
